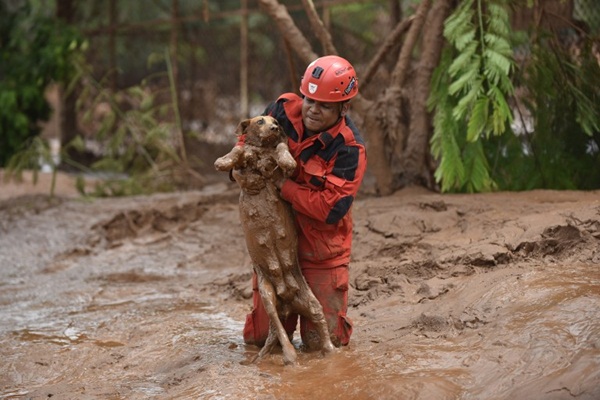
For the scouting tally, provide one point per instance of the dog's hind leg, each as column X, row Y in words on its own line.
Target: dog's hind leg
column 269, row 345
column 276, row 329
column 309, row 307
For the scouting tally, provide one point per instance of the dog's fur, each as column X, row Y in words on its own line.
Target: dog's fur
column 270, row 232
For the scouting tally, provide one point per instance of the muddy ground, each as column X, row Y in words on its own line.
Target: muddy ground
column 488, row 296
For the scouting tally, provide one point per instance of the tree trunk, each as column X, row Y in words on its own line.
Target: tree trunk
column 390, row 45
column 112, row 45
column 174, row 42
column 416, row 156
column 244, row 113
column 65, row 11
column 319, row 28
column 174, row 72
column 387, row 120
column 396, row 125
column 289, row 30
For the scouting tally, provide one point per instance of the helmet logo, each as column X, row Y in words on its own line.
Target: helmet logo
column 312, row 88
column 341, row 71
column 350, row 86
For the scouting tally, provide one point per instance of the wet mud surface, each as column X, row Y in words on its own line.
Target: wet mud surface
column 491, row 296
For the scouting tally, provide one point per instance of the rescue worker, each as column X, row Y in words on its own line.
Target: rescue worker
column 331, row 158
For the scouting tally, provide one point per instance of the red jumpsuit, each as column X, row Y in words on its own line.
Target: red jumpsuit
column 331, row 166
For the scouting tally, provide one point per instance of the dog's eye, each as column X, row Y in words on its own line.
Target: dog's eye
column 261, row 121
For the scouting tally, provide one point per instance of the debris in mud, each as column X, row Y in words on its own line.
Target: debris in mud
column 432, row 323
column 430, row 293
column 555, row 240
column 365, row 281
column 133, row 223
column 434, row 205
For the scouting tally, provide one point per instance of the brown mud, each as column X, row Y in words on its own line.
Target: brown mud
column 488, row 296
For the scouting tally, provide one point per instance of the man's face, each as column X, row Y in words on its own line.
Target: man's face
column 319, row 116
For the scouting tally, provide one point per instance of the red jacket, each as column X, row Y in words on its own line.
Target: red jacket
column 331, row 166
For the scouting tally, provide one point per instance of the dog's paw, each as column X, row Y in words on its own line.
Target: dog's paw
column 284, row 158
column 231, row 160
column 224, row 163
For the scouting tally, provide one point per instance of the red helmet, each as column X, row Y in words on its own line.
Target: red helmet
column 329, row 79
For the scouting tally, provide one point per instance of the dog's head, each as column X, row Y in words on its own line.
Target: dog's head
column 263, row 131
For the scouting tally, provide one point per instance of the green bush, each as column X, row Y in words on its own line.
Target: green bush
column 34, row 51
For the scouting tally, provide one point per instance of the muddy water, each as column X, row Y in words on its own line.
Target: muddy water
column 140, row 336
column 150, row 312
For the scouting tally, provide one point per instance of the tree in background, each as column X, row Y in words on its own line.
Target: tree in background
column 35, row 50
column 555, row 134
column 395, row 157
column 452, row 129
column 454, row 95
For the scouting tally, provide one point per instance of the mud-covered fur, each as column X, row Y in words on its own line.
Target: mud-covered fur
column 268, row 225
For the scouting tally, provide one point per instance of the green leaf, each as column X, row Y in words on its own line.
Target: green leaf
column 465, row 38
column 477, row 178
column 458, row 22
column 466, row 79
column 478, row 119
column 464, row 59
column 464, row 105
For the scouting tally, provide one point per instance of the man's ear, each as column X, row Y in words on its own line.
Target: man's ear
column 241, row 128
column 345, row 107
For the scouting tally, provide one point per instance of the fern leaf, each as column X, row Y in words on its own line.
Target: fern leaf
column 451, row 166
column 477, row 178
column 466, row 78
column 478, row 119
column 466, row 37
column 463, row 60
column 464, row 105
column 459, row 20
column 498, row 20
column 464, row 112
column 499, row 98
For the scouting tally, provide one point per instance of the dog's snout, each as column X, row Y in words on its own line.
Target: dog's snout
column 274, row 125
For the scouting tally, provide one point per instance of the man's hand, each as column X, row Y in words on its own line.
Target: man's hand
column 279, row 182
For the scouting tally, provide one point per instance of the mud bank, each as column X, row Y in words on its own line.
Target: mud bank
column 493, row 296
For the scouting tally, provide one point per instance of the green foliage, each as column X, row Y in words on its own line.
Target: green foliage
column 558, row 102
column 35, row 152
column 358, row 18
column 141, row 146
column 469, row 93
column 34, row 51
column 561, row 150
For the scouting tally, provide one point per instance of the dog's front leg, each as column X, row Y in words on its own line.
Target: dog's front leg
column 284, row 159
column 231, row 160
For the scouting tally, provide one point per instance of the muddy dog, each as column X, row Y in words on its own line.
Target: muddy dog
column 268, row 225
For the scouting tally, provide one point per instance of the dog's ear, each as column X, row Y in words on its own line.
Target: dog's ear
column 241, row 128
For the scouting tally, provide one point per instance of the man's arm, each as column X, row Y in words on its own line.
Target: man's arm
column 333, row 202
